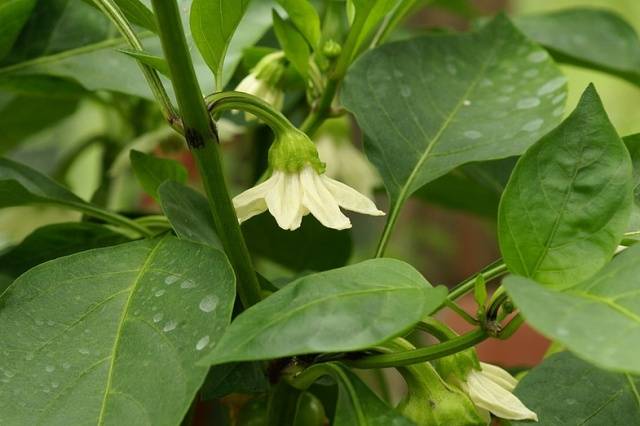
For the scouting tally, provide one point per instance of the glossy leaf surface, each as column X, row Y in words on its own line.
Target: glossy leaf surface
column 568, row 200
column 343, row 309
column 592, row 38
column 566, row 390
column 431, row 104
column 598, row 319
column 111, row 336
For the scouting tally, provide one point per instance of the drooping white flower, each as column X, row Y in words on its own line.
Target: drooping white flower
column 344, row 161
column 298, row 186
column 490, row 389
column 263, row 81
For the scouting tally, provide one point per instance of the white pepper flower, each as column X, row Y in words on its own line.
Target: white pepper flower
column 490, row 389
column 263, row 81
column 298, row 186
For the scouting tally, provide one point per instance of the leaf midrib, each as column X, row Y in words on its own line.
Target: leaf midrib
column 123, row 317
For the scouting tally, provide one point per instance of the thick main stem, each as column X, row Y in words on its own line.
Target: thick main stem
column 202, row 138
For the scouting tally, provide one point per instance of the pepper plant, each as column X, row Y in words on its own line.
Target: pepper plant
column 124, row 318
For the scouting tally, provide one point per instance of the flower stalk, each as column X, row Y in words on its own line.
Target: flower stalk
column 201, row 136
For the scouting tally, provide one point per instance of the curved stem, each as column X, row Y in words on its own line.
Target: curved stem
column 490, row 272
column 511, row 327
column 322, row 110
column 153, row 80
column 202, row 139
column 112, row 218
column 429, row 353
column 245, row 102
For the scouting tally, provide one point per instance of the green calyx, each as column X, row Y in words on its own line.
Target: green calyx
column 455, row 368
column 292, row 151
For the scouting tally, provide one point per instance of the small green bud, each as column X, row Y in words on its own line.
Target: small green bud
column 480, row 291
column 292, row 151
column 270, row 68
column 508, row 306
column 331, row 49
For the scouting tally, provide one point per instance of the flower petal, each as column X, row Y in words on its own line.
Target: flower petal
column 488, row 395
column 285, row 201
column 320, row 202
column 252, row 201
column 349, row 198
column 499, row 376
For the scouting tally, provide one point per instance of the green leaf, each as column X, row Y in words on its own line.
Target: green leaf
column 368, row 14
column 156, row 62
column 592, row 38
column 13, row 15
column 111, row 336
column 357, row 405
column 598, row 319
column 317, row 248
column 294, row 45
column 74, row 40
column 565, row 390
column 305, row 17
column 431, row 104
column 54, row 241
column 213, row 23
column 568, row 201
column 137, row 13
column 153, row 171
column 344, row 309
column 189, row 213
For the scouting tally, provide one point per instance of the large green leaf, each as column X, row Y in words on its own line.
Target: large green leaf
column 565, row 390
column 344, row 309
column 53, row 241
column 598, row 319
column 357, row 405
column 593, row 38
column 153, row 171
column 213, row 23
column 431, row 104
column 569, row 199
column 111, row 336
column 13, row 15
column 73, row 40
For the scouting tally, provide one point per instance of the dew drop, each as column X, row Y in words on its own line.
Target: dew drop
column 187, row 284
column 452, row 69
column 29, row 356
column 405, row 91
column 202, row 343
column 466, row 102
column 157, row 317
column 49, row 368
column 552, row 85
column 527, row 103
column 50, row 323
column 531, row 73
column 170, row 325
column 558, row 111
column 10, row 374
column 208, row 303
column 533, row 125
column 66, row 365
column 537, row 56
column 558, row 98
column 39, row 322
column 171, row 279
column 84, row 351
column 503, row 99
column 473, row 134
column 159, row 293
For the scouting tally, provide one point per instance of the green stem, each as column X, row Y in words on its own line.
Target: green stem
column 429, row 353
column 112, row 218
column 202, row 139
column 252, row 104
column 461, row 312
column 492, row 271
column 153, row 80
column 437, row 329
column 322, row 110
column 511, row 327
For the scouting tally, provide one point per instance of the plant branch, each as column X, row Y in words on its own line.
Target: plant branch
column 202, row 139
column 429, row 353
column 252, row 104
column 153, row 79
